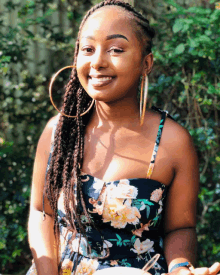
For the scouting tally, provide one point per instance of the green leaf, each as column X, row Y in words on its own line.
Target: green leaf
column 147, row 211
column 177, row 26
column 211, row 90
column 30, row 34
column 147, row 202
column 6, row 59
column 119, row 238
column 192, row 43
column 180, row 49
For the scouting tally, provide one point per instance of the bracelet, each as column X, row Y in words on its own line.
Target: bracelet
column 185, row 264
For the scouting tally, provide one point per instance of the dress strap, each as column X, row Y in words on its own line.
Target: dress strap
column 49, row 159
column 156, row 146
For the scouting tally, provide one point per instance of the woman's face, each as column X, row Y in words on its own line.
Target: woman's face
column 110, row 60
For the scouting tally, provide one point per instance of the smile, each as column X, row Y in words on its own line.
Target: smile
column 100, row 81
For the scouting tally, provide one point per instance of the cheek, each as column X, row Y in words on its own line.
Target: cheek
column 82, row 72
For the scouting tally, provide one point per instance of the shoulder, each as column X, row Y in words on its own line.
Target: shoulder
column 176, row 135
column 179, row 143
column 173, row 133
column 175, row 139
column 44, row 142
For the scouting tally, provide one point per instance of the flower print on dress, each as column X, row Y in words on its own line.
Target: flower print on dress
column 67, row 267
column 156, row 195
column 122, row 190
column 106, row 245
column 114, row 262
column 87, row 266
column 142, row 247
column 161, row 207
column 95, row 188
column 80, row 244
column 118, row 211
column 144, row 227
column 98, row 205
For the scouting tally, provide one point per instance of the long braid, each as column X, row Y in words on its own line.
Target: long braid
column 67, row 158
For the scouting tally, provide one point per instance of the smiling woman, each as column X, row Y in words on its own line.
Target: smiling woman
column 108, row 185
column 118, row 52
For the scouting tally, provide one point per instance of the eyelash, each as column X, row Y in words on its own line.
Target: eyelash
column 88, row 50
column 116, row 50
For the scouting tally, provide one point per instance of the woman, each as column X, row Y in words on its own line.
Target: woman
column 105, row 191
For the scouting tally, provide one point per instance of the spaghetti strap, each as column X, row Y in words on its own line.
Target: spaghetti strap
column 49, row 159
column 156, row 146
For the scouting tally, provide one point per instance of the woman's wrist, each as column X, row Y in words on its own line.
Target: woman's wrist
column 181, row 265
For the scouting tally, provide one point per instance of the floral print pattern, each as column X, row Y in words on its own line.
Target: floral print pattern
column 142, row 247
column 118, row 209
column 127, row 212
column 87, row 266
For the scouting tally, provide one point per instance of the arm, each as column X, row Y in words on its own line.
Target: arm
column 40, row 233
column 180, row 212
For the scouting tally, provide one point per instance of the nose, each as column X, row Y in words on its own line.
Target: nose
column 99, row 60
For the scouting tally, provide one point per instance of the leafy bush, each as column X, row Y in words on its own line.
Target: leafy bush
column 186, row 82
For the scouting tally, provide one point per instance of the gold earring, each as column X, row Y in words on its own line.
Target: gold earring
column 143, row 97
column 51, row 98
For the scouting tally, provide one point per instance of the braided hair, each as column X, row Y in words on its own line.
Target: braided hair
column 67, row 157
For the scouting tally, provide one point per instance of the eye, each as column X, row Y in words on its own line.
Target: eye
column 116, row 50
column 87, row 50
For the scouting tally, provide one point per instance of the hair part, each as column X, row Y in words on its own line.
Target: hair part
column 67, row 157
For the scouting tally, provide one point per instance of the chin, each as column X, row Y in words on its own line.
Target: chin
column 100, row 96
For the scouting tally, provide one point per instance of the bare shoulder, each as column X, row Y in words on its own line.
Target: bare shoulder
column 45, row 138
column 175, row 133
column 179, row 142
column 176, row 140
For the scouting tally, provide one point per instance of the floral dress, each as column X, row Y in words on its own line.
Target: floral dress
column 127, row 213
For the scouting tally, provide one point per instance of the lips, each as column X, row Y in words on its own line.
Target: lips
column 99, row 81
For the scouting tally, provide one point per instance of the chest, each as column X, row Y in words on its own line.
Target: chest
column 124, row 154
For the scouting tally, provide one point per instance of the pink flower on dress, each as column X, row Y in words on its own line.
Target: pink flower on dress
column 156, row 195
column 142, row 247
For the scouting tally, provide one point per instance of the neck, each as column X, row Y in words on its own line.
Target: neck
column 115, row 113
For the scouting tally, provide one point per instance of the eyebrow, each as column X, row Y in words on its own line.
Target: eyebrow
column 113, row 36
column 109, row 37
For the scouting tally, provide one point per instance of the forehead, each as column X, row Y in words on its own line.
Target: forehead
column 109, row 20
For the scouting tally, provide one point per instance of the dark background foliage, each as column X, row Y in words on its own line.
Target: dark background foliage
column 37, row 38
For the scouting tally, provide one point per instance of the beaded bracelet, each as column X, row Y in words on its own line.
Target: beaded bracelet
column 185, row 264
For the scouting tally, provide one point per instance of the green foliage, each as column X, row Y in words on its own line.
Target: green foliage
column 185, row 81
column 25, row 109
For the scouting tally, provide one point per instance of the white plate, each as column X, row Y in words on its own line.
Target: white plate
column 121, row 270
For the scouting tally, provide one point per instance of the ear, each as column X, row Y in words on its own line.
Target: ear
column 148, row 63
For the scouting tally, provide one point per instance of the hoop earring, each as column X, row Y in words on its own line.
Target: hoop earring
column 143, row 98
column 51, row 98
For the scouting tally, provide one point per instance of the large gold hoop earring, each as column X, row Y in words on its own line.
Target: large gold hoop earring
column 143, row 98
column 51, row 98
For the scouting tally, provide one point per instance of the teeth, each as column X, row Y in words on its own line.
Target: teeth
column 100, row 79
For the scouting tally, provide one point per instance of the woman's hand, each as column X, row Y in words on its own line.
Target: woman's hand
column 213, row 270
